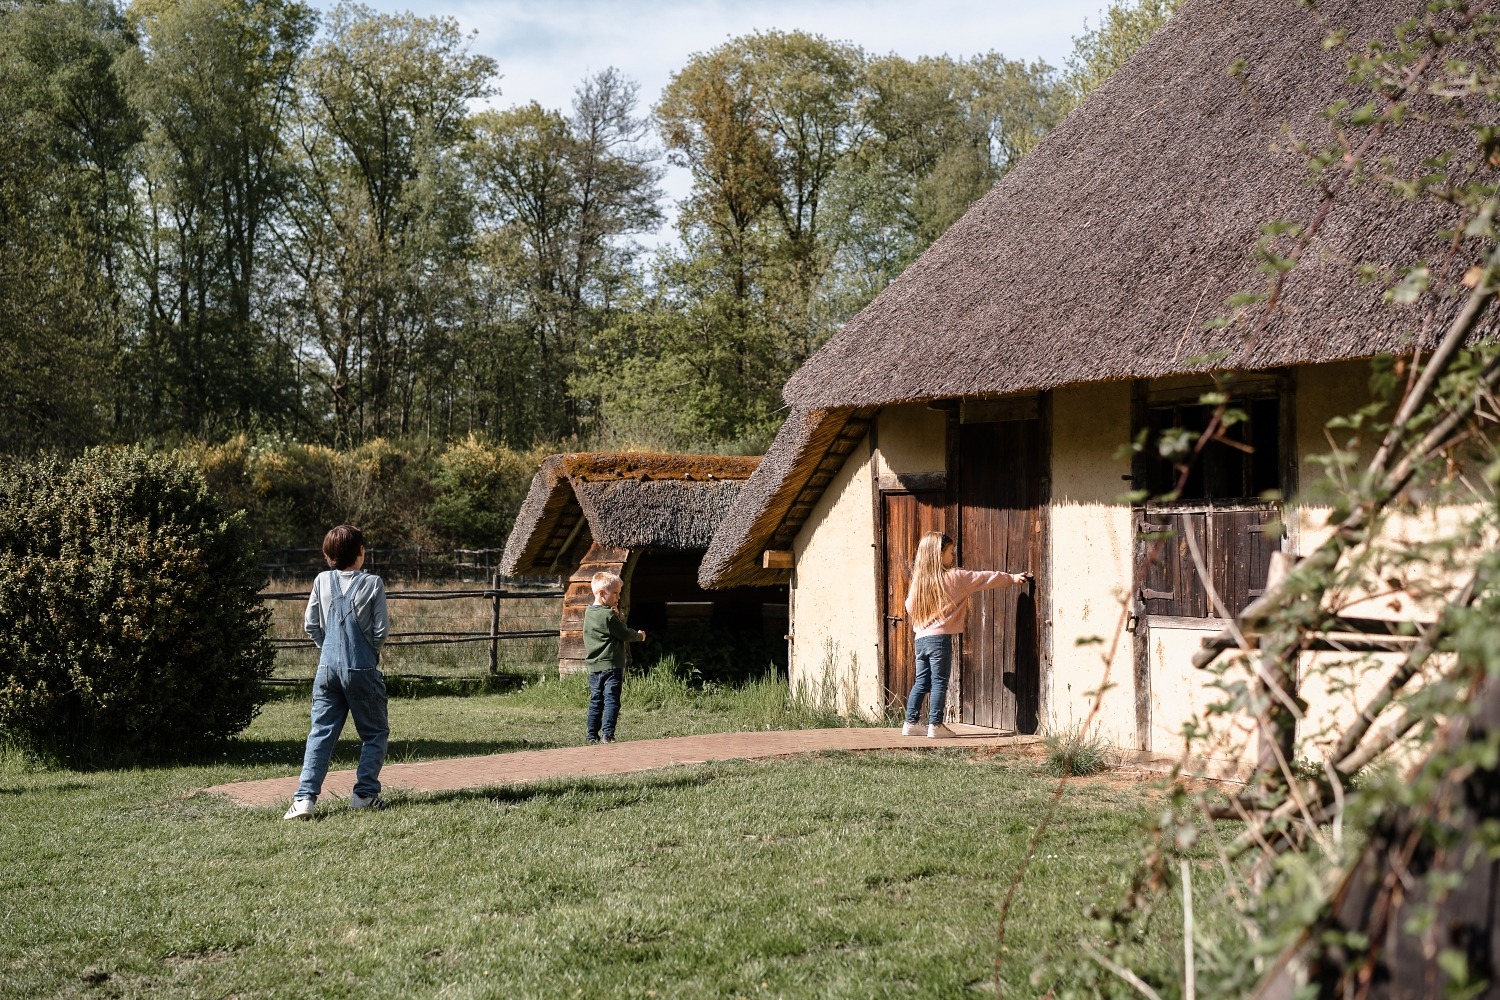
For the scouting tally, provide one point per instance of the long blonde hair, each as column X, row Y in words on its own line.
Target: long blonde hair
column 929, row 580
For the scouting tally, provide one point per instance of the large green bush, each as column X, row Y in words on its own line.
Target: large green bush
column 129, row 621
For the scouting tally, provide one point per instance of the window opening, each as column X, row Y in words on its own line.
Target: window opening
column 1243, row 467
column 1220, row 504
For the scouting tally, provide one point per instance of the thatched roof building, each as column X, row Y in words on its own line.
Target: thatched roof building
column 1107, row 250
column 627, row 500
column 647, row 518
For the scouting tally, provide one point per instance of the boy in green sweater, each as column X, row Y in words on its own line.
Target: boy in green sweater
column 605, row 636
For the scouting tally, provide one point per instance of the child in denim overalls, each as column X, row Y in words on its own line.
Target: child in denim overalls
column 346, row 618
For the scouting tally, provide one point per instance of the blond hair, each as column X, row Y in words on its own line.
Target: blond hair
column 604, row 580
column 929, row 581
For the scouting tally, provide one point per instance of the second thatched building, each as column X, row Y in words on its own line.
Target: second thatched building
column 647, row 518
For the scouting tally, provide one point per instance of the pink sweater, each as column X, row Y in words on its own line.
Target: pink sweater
column 961, row 584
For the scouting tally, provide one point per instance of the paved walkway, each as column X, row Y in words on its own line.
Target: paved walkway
column 526, row 766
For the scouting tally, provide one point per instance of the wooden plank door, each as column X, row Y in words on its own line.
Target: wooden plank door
column 1000, row 483
column 906, row 518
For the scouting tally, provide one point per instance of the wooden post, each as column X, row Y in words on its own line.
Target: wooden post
column 494, row 625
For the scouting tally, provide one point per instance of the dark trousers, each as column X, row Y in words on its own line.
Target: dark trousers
column 604, row 702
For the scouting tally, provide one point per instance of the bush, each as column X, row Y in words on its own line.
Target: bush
column 403, row 494
column 479, row 488
column 129, row 600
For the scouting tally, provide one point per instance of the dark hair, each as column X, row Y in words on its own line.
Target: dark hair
column 947, row 542
column 341, row 546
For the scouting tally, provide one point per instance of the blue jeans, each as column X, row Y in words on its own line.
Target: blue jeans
column 604, row 702
column 934, row 660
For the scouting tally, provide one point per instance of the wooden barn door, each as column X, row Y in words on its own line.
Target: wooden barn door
column 907, row 517
column 1001, row 470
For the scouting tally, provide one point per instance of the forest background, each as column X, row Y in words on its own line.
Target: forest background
column 287, row 246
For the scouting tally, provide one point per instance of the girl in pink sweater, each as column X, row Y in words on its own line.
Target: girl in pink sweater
column 936, row 606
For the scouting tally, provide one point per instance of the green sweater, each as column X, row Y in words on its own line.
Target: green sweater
column 605, row 635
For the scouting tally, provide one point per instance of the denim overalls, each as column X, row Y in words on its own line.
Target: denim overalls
column 348, row 682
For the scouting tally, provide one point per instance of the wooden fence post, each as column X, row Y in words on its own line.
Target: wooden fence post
column 494, row 625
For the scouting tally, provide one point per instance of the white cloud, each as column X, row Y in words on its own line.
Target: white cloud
column 544, row 50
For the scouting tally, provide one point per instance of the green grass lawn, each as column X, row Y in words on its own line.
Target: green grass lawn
column 841, row 875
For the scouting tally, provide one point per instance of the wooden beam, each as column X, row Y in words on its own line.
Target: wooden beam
column 777, row 559
column 912, row 482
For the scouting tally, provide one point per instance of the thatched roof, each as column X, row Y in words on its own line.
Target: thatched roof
column 805, row 456
column 1105, row 252
column 628, row 499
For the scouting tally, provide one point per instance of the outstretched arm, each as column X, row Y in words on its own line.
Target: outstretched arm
column 970, row 580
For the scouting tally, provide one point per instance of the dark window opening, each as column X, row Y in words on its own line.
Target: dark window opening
column 1244, row 468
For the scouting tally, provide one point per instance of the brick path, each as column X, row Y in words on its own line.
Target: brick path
column 527, row 766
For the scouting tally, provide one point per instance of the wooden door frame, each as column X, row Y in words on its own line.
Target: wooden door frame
column 880, row 487
column 883, row 492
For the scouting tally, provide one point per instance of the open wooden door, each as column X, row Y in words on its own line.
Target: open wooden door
column 1001, row 478
column 906, row 517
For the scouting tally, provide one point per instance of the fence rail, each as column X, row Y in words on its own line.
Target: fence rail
column 439, row 637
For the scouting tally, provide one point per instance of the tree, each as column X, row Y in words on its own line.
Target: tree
column 1123, row 28
column 212, row 80
column 380, row 218
column 66, row 136
column 941, row 133
column 764, row 122
column 559, row 198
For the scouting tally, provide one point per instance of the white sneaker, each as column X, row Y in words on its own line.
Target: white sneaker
column 361, row 802
column 301, row 809
column 911, row 729
column 939, row 732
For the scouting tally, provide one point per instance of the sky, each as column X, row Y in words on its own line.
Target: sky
column 545, row 48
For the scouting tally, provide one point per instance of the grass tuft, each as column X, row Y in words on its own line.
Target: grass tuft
column 1073, row 753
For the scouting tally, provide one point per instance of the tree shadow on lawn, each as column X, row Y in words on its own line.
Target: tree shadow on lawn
column 256, row 752
column 409, row 686
column 615, row 790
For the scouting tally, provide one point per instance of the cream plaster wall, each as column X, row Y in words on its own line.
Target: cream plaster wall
column 912, row 438
column 1323, row 392
column 1091, row 541
column 835, row 597
column 1336, row 685
column 834, row 657
column 1180, row 692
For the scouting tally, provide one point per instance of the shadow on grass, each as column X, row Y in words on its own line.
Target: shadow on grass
column 65, row 786
column 607, row 788
column 253, row 752
column 407, row 686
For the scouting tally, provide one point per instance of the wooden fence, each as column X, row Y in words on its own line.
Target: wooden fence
column 494, row 595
